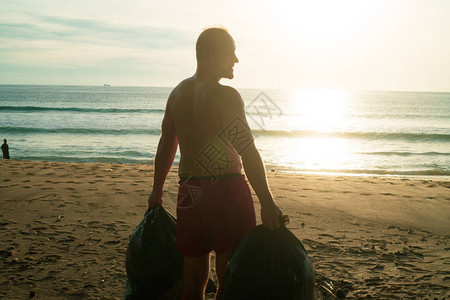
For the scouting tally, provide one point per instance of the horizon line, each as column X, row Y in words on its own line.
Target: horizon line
column 240, row 87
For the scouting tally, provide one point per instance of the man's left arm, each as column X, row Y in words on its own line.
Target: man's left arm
column 165, row 154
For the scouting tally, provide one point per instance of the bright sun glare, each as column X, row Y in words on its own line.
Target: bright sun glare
column 320, row 111
column 318, row 153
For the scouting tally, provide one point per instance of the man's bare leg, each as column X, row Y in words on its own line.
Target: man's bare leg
column 195, row 276
column 221, row 267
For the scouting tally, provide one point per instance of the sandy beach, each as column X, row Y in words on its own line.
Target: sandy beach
column 64, row 229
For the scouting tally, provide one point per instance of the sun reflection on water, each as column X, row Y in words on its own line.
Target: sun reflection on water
column 319, row 111
column 319, row 153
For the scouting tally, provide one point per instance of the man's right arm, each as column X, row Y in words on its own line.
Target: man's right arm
column 256, row 174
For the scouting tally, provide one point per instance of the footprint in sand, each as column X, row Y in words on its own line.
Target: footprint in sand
column 313, row 227
column 70, row 181
column 326, row 235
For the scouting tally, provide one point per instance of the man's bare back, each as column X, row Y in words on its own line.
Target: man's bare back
column 199, row 113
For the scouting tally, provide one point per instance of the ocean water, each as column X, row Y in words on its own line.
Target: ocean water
column 317, row 131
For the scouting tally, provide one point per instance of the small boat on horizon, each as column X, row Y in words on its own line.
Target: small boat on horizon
column 106, row 84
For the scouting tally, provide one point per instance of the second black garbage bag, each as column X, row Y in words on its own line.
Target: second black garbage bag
column 269, row 265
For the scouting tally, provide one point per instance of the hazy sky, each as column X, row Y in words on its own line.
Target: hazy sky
column 356, row 45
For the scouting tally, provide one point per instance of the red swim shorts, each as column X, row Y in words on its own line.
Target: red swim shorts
column 213, row 215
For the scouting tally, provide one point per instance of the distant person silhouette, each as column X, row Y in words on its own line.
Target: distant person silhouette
column 5, row 149
column 215, row 207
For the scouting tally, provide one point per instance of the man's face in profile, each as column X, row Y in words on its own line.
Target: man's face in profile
column 225, row 60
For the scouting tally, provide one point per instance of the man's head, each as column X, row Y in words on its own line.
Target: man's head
column 4, row 141
column 215, row 50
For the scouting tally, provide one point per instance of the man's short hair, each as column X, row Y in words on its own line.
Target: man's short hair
column 213, row 39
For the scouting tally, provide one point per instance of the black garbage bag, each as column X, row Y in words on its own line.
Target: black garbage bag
column 269, row 265
column 154, row 266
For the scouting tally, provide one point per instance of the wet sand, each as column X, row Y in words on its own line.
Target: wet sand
column 64, row 229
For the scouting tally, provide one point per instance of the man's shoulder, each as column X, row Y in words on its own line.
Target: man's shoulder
column 179, row 90
column 182, row 85
column 185, row 82
column 231, row 96
column 229, row 91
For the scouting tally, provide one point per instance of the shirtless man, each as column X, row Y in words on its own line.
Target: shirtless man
column 215, row 209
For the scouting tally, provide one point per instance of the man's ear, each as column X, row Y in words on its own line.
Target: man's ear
column 207, row 56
